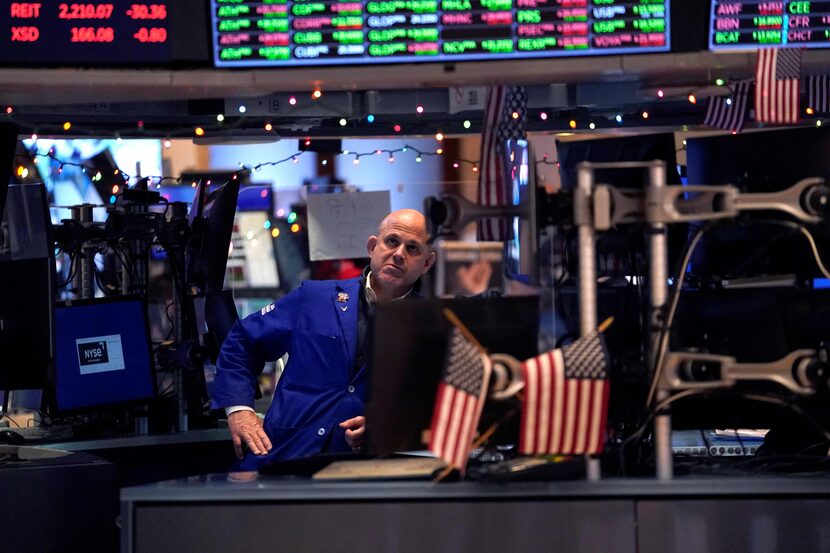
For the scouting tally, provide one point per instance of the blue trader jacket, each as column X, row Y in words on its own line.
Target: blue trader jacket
column 317, row 326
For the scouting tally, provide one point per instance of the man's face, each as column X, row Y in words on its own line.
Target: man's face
column 399, row 255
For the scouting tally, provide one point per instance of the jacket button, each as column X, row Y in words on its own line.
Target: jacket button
column 321, row 431
column 350, row 389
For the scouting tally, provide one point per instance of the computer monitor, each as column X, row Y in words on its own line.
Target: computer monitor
column 409, row 347
column 769, row 161
column 256, row 197
column 206, row 260
column 753, row 325
column 647, row 147
column 26, row 287
column 103, row 354
column 252, row 262
column 212, row 225
column 522, row 247
column 110, row 176
column 8, row 144
column 291, row 250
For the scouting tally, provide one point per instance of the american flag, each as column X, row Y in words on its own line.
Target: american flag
column 777, row 80
column 818, row 93
column 566, row 400
column 505, row 118
column 459, row 401
column 729, row 112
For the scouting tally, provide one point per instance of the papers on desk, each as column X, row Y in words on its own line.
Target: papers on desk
column 381, row 469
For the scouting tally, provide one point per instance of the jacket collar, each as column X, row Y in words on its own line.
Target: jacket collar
column 371, row 297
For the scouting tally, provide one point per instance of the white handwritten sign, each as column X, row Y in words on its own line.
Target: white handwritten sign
column 339, row 224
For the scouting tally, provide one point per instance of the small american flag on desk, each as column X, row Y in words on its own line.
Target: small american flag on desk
column 566, row 399
column 459, row 401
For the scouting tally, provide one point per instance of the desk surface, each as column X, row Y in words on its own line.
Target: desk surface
column 229, row 487
column 121, row 442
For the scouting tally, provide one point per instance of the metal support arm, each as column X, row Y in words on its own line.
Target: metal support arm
column 808, row 200
column 799, row 371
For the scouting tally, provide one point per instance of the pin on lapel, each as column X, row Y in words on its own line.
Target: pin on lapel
column 342, row 297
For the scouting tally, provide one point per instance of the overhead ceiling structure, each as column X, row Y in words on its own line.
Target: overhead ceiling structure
column 143, row 103
column 172, row 99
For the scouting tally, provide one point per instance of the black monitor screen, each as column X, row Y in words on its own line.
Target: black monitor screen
column 410, row 343
column 754, row 325
column 26, row 312
column 761, row 162
column 291, row 250
column 8, row 144
column 325, row 32
column 207, row 255
column 102, row 354
column 611, row 150
column 26, row 272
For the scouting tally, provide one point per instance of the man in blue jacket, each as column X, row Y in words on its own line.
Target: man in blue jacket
column 323, row 326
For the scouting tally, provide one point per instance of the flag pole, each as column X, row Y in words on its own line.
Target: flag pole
column 453, row 318
column 444, row 473
column 592, row 467
column 478, row 442
column 605, row 324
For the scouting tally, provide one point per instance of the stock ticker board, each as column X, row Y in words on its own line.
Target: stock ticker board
column 113, row 33
column 752, row 24
column 336, row 32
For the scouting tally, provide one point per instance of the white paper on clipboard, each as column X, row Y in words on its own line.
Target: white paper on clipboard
column 340, row 224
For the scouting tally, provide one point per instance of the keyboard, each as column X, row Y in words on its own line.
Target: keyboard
column 691, row 443
column 730, row 449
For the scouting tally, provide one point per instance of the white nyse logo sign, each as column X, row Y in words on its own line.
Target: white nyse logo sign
column 99, row 354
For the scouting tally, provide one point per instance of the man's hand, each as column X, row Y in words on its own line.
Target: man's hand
column 474, row 278
column 355, row 432
column 246, row 425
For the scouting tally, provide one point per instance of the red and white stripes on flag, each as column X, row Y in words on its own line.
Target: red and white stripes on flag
column 729, row 112
column 505, row 118
column 777, row 81
column 460, row 398
column 818, row 93
column 566, row 400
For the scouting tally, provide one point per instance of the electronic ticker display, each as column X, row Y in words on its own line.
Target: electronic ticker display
column 334, row 32
column 751, row 24
column 114, row 33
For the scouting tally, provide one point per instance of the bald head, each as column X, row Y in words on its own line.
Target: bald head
column 399, row 254
column 410, row 218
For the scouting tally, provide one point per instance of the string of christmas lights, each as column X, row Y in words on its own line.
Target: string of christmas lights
column 225, row 122
column 158, row 180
